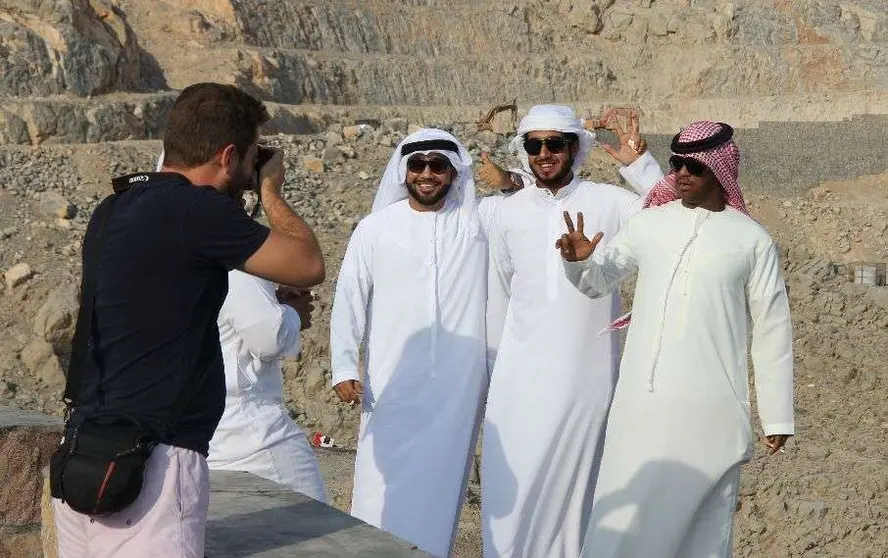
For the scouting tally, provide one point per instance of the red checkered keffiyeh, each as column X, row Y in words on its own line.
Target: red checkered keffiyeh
column 722, row 160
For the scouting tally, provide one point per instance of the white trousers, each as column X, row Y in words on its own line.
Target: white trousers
column 167, row 520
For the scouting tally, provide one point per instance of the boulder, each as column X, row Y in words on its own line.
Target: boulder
column 41, row 360
column 53, row 204
column 352, row 133
column 57, row 317
column 18, row 274
column 313, row 164
column 332, row 154
column 333, row 138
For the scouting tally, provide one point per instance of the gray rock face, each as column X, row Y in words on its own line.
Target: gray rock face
column 78, row 47
column 63, row 120
column 415, row 54
column 13, row 129
column 384, row 28
column 305, row 52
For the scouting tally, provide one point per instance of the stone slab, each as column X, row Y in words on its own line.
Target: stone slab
column 10, row 417
column 253, row 517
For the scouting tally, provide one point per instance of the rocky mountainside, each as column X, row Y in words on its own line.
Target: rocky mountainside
column 99, row 70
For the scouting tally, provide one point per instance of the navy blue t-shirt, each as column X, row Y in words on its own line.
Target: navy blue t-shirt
column 161, row 280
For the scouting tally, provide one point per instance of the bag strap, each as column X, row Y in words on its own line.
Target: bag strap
column 82, row 342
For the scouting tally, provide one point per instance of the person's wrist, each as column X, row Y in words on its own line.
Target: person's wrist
column 511, row 182
column 269, row 188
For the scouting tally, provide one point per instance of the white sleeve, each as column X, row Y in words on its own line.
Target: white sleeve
column 349, row 315
column 601, row 273
column 499, row 288
column 268, row 329
column 771, row 343
column 487, row 207
column 643, row 174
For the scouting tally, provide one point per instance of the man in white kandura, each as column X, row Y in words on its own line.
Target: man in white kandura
column 259, row 325
column 679, row 427
column 554, row 374
column 414, row 280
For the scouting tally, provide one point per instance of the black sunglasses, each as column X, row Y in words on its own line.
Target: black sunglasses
column 555, row 144
column 437, row 166
column 694, row 166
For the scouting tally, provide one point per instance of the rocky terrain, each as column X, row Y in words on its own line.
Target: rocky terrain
column 101, row 70
column 826, row 496
column 85, row 86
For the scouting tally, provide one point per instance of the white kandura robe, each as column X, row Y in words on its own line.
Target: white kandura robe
column 416, row 284
column 256, row 433
column 679, row 426
column 554, row 374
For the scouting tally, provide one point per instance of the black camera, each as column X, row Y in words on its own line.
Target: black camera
column 262, row 156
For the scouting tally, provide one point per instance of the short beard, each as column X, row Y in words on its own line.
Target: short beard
column 428, row 201
column 239, row 184
column 559, row 178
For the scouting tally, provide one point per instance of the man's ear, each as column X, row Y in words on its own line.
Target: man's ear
column 574, row 148
column 229, row 158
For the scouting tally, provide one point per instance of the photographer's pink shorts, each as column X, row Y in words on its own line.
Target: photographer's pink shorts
column 168, row 520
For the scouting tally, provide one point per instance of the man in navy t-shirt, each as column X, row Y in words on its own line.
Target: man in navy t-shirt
column 170, row 240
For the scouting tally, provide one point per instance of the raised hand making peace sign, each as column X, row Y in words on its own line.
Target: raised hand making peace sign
column 574, row 245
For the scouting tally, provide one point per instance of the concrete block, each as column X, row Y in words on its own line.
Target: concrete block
column 250, row 516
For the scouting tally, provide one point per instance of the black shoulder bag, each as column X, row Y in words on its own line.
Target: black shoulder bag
column 99, row 467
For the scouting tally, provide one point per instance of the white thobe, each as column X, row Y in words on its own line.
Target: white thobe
column 554, row 374
column 679, row 426
column 415, row 284
column 256, row 433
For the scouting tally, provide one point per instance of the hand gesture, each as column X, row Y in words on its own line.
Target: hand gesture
column 632, row 145
column 300, row 300
column 574, row 245
column 775, row 442
column 349, row 391
column 493, row 175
